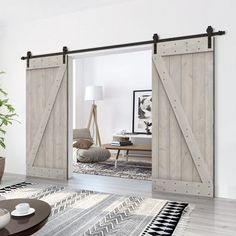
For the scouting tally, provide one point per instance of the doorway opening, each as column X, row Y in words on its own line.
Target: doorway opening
column 118, row 84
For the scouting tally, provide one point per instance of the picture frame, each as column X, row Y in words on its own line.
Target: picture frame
column 142, row 112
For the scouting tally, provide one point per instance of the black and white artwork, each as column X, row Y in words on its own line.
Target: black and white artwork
column 142, row 112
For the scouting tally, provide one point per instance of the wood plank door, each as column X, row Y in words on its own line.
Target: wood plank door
column 47, row 118
column 183, row 117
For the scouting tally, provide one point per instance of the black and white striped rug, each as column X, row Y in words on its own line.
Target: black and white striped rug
column 84, row 212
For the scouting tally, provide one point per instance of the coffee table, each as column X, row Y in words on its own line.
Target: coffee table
column 134, row 147
column 25, row 225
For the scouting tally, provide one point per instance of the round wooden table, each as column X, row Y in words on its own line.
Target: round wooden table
column 25, row 225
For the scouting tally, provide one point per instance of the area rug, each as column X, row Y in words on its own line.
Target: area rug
column 84, row 212
column 125, row 169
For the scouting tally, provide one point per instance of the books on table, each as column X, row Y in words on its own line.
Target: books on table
column 127, row 143
column 121, row 141
column 119, row 138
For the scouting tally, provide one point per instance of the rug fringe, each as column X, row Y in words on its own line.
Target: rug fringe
column 184, row 221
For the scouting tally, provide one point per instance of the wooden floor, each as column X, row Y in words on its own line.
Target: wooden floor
column 211, row 217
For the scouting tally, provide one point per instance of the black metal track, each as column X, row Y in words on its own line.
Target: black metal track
column 124, row 45
column 92, row 49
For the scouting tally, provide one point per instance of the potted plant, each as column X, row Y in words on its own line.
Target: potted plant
column 7, row 114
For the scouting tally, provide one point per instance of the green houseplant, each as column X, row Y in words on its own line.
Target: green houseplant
column 7, row 114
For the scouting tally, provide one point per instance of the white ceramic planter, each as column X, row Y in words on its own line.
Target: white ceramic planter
column 4, row 217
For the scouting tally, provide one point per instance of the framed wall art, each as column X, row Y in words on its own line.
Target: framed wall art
column 142, row 112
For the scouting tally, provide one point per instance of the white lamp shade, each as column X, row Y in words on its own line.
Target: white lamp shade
column 93, row 93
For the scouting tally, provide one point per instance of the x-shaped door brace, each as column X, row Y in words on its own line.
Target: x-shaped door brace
column 182, row 119
column 45, row 118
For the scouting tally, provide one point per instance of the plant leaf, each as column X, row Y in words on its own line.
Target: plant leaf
column 3, row 92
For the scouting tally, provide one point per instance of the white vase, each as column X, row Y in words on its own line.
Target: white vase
column 4, row 217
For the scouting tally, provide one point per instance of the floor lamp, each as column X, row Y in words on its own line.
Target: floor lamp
column 94, row 93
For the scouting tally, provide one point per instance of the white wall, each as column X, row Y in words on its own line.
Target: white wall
column 119, row 74
column 129, row 22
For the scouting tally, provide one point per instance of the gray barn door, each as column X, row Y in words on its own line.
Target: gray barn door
column 47, row 118
column 183, row 117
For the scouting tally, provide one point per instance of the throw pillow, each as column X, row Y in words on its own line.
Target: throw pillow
column 82, row 144
column 82, row 134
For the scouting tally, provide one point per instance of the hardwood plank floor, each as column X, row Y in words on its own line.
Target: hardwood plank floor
column 210, row 217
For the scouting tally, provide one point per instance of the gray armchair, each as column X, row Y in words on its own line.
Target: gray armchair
column 92, row 154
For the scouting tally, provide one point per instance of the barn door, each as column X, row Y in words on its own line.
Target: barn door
column 46, row 118
column 183, row 117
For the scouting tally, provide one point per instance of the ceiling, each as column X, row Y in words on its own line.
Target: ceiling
column 20, row 11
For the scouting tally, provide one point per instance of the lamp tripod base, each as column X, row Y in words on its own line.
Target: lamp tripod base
column 93, row 116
